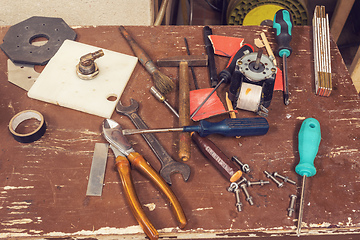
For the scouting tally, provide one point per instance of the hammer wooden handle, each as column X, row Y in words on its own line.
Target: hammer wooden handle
column 184, row 111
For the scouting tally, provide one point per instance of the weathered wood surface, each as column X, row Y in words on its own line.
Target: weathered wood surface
column 43, row 184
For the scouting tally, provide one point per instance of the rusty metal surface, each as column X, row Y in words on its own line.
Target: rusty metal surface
column 43, row 184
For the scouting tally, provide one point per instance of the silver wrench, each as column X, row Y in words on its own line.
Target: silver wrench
column 168, row 164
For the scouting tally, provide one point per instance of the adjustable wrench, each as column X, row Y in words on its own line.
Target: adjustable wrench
column 168, row 164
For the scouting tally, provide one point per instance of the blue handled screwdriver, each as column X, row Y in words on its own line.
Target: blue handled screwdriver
column 229, row 127
column 283, row 25
column 309, row 141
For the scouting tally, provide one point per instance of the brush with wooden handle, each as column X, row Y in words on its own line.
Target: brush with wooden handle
column 162, row 82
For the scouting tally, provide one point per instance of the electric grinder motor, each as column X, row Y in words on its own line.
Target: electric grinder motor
column 252, row 83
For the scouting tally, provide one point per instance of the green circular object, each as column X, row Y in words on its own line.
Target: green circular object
column 261, row 13
column 238, row 9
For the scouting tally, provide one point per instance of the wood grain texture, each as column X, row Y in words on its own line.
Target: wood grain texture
column 43, row 184
column 184, row 111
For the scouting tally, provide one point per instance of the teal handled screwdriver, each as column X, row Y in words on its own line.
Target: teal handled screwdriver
column 309, row 141
column 283, row 26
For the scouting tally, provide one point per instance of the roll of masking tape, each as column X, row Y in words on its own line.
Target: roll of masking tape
column 20, row 118
column 249, row 97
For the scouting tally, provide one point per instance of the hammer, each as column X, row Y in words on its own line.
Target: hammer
column 184, row 62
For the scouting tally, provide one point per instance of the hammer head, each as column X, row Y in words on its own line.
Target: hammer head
column 192, row 60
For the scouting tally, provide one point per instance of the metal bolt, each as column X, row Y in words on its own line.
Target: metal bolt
column 261, row 183
column 233, row 187
column 286, row 179
column 238, row 201
column 280, row 184
column 262, row 114
column 244, row 167
column 292, row 203
column 248, row 197
column 264, row 109
column 243, row 180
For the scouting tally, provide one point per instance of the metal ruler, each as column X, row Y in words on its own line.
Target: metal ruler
column 97, row 171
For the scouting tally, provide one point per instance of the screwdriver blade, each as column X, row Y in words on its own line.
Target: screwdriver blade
column 207, row 98
column 301, row 209
column 142, row 131
column 285, row 82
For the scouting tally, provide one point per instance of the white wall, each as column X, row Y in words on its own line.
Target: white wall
column 80, row 12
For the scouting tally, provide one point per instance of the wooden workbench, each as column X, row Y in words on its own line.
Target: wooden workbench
column 43, row 184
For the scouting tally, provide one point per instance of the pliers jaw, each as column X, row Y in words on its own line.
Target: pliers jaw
column 112, row 132
column 116, row 152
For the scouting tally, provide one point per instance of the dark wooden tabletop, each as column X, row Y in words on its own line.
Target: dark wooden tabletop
column 43, row 184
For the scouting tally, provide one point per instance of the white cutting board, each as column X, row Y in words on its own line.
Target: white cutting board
column 59, row 84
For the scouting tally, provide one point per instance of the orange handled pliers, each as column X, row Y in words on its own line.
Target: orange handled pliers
column 124, row 153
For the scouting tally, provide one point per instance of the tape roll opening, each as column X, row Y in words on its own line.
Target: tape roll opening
column 22, row 117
